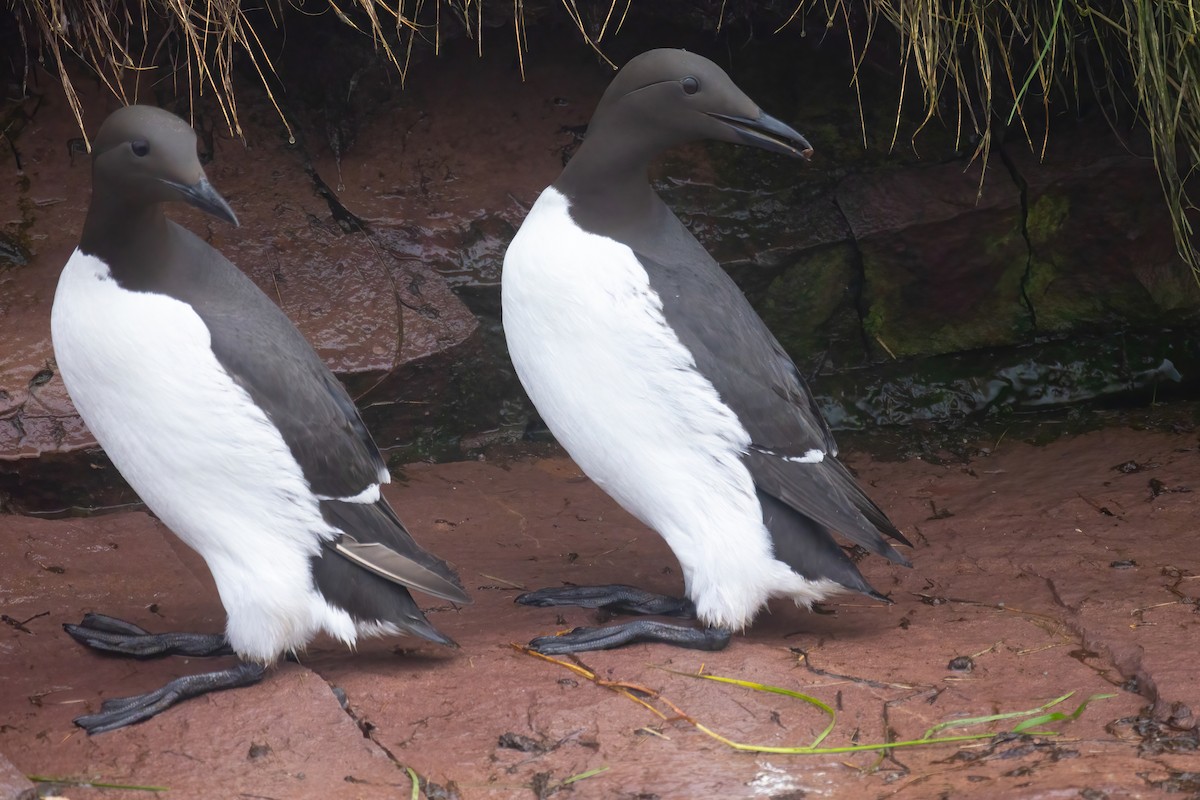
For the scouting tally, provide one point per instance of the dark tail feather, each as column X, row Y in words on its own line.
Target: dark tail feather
column 377, row 540
column 367, row 597
column 866, row 505
column 809, row 548
column 827, row 494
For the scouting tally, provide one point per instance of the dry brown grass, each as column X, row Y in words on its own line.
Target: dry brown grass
column 198, row 39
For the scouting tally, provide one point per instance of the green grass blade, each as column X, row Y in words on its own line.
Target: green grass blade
column 1024, row 726
column 1038, row 63
column 850, row 748
column 128, row 787
column 1057, row 716
column 591, row 773
column 959, row 723
column 762, row 687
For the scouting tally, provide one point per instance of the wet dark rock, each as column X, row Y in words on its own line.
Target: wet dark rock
column 67, row 483
column 1181, row 717
column 741, row 220
column 1178, row 781
column 961, row 664
column 1158, row 736
column 516, row 741
column 1031, row 377
column 258, row 751
column 922, row 260
column 12, row 252
column 436, row 791
column 1128, row 467
column 1157, row 488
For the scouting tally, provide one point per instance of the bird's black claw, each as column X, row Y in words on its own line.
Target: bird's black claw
column 617, row 598
column 643, row 630
column 112, row 635
column 121, row 711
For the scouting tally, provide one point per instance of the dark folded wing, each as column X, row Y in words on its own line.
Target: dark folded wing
column 376, row 540
column 366, row 569
column 267, row 356
column 792, row 456
column 322, row 427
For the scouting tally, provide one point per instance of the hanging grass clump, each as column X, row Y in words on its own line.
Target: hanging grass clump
column 980, row 65
column 983, row 65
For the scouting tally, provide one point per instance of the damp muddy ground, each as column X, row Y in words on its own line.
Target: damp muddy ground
column 1038, row 571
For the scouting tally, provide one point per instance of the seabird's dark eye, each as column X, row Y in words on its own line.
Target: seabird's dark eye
column 690, row 85
column 140, row 148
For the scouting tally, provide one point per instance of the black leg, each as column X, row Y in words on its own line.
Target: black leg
column 642, row 630
column 616, row 597
column 621, row 599
column 119, row 712
column 112, row 635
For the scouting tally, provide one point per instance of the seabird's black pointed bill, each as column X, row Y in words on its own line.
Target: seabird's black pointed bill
column 768, row 133
column 203, row 196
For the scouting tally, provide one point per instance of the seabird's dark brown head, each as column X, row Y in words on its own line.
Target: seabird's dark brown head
column 144, row 155
column 667, row 97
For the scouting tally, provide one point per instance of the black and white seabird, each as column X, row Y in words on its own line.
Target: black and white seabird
column 653, row 371
column 223, row 419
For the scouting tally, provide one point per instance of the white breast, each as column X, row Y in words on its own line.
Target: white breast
column 199, row 452
column 622, row 394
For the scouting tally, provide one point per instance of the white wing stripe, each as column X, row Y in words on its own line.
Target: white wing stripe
column 813, row 456
column 367, row 495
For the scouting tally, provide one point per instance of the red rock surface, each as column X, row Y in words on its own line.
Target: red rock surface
column 1050, row 569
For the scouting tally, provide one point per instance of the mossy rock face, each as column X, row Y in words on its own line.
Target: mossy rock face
column 1097, row 262
column 1102, row 252
column 943, row 264
column 811, row 307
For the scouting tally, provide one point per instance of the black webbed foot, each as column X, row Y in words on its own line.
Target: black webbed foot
column 617, row 598
column 122, row 711
column 642, row 630
column 112, row 635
